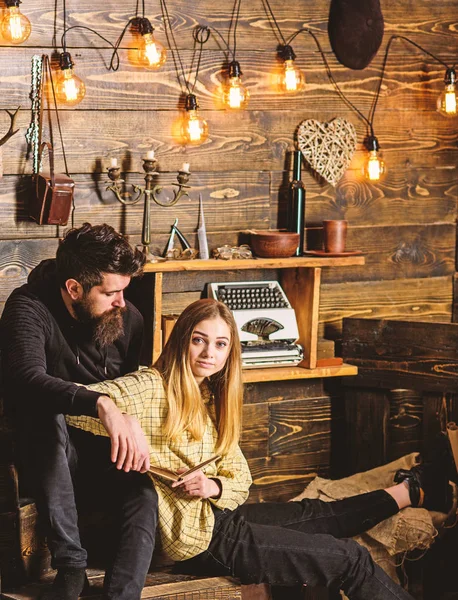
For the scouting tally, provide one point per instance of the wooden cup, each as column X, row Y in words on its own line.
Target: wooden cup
column 334, row 236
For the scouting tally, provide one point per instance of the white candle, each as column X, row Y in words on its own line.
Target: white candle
column 185, row 167
column 113, row 162
column 150, row 155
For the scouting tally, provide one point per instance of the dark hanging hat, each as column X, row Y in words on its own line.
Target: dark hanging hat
column 355, row 30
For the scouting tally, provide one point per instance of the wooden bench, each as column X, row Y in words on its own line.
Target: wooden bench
column 24, row 556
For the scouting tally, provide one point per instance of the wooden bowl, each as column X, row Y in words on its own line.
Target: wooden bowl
column 274, row 244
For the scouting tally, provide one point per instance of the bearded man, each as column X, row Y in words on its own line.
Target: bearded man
column 71, row 324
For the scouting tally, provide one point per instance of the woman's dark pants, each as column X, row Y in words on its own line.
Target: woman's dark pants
column 300, row 543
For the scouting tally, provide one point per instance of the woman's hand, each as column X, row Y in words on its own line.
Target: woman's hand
column 198, row 484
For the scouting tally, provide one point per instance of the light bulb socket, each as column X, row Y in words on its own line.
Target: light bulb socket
column 287, row 53
column 372, row 143
column 144, row 26
column 10, row 3
column 234, row 69
column 450, row 76
column 65, row 61
column 191, row 102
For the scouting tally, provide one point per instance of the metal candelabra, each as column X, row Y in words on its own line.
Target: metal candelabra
column 149, row 191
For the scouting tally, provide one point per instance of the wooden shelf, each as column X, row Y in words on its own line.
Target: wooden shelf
column 287, row 373
column 213, row 264
column 300, row 278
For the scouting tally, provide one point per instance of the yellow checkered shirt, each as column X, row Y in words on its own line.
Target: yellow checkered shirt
column 185, row 523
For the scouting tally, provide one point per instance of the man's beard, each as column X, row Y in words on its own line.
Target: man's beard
column 107, row 327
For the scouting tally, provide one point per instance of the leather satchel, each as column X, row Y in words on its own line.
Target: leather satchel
column 52, row 200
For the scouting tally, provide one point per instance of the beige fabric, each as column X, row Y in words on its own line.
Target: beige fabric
column 389, row 541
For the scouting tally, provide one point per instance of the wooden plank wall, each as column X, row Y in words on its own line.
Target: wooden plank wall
column 405, row 225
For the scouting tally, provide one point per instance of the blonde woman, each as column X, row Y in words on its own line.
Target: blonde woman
column 189, row 406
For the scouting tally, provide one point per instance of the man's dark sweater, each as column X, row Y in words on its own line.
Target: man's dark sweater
column 44, row 350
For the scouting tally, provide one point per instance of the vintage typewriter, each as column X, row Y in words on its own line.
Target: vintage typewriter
column 265, row 319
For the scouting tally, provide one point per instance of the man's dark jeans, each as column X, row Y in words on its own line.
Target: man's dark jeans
column 298, row 543
column 52, row 460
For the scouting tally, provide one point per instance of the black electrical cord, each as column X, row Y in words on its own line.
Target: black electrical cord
column 385, row 60
column 228, row 48
column 117, row 44
column 201, row 35
column 64, row 8
column 331, row 77
column 114, row 62
column 370, row 119
column 234, row 23
column 275, row 22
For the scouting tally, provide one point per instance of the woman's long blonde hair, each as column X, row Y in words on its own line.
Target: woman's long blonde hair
column 186, row 409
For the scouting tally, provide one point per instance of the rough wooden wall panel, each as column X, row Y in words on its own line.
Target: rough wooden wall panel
column 455, row 299
column 367, row 428
column 91, row 137
column 420, row 195
column 419, row 20
column 416, row 299
column 300, row 425
column 403, row 354
column 410, row 80
column 18, row 257
column 281, row 478
column 15, row 191
column 405, row 423
column 280, row 391
column 255, row 435
column 243, row 197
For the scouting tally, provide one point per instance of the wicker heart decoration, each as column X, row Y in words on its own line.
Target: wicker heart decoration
column 327, row 147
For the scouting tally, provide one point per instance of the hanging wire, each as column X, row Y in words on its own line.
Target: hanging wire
column 234, row 23
column 385, row 60
column 143, row 9
column 134, row 21
column 370, row 119
column 228, row 48
column 275, row 22
column 114, row 62
column 46, row 68
column 201, row 35
column 117, row 44
column 64, row 8
column 331, row 76
column 178, row 63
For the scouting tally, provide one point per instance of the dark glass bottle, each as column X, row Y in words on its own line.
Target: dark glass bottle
column 296, row 207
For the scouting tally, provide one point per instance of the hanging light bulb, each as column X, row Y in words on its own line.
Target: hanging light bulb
column 235, row 95
column 374, row 167
column 151, row 54
column 194, row 129
column 15, row 27
column 292, row 79
column 446, row 103
column 69, row 88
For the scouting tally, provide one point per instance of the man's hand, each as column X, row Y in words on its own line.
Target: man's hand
column 128, row 442
column 142, row 464
column 198, row 484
